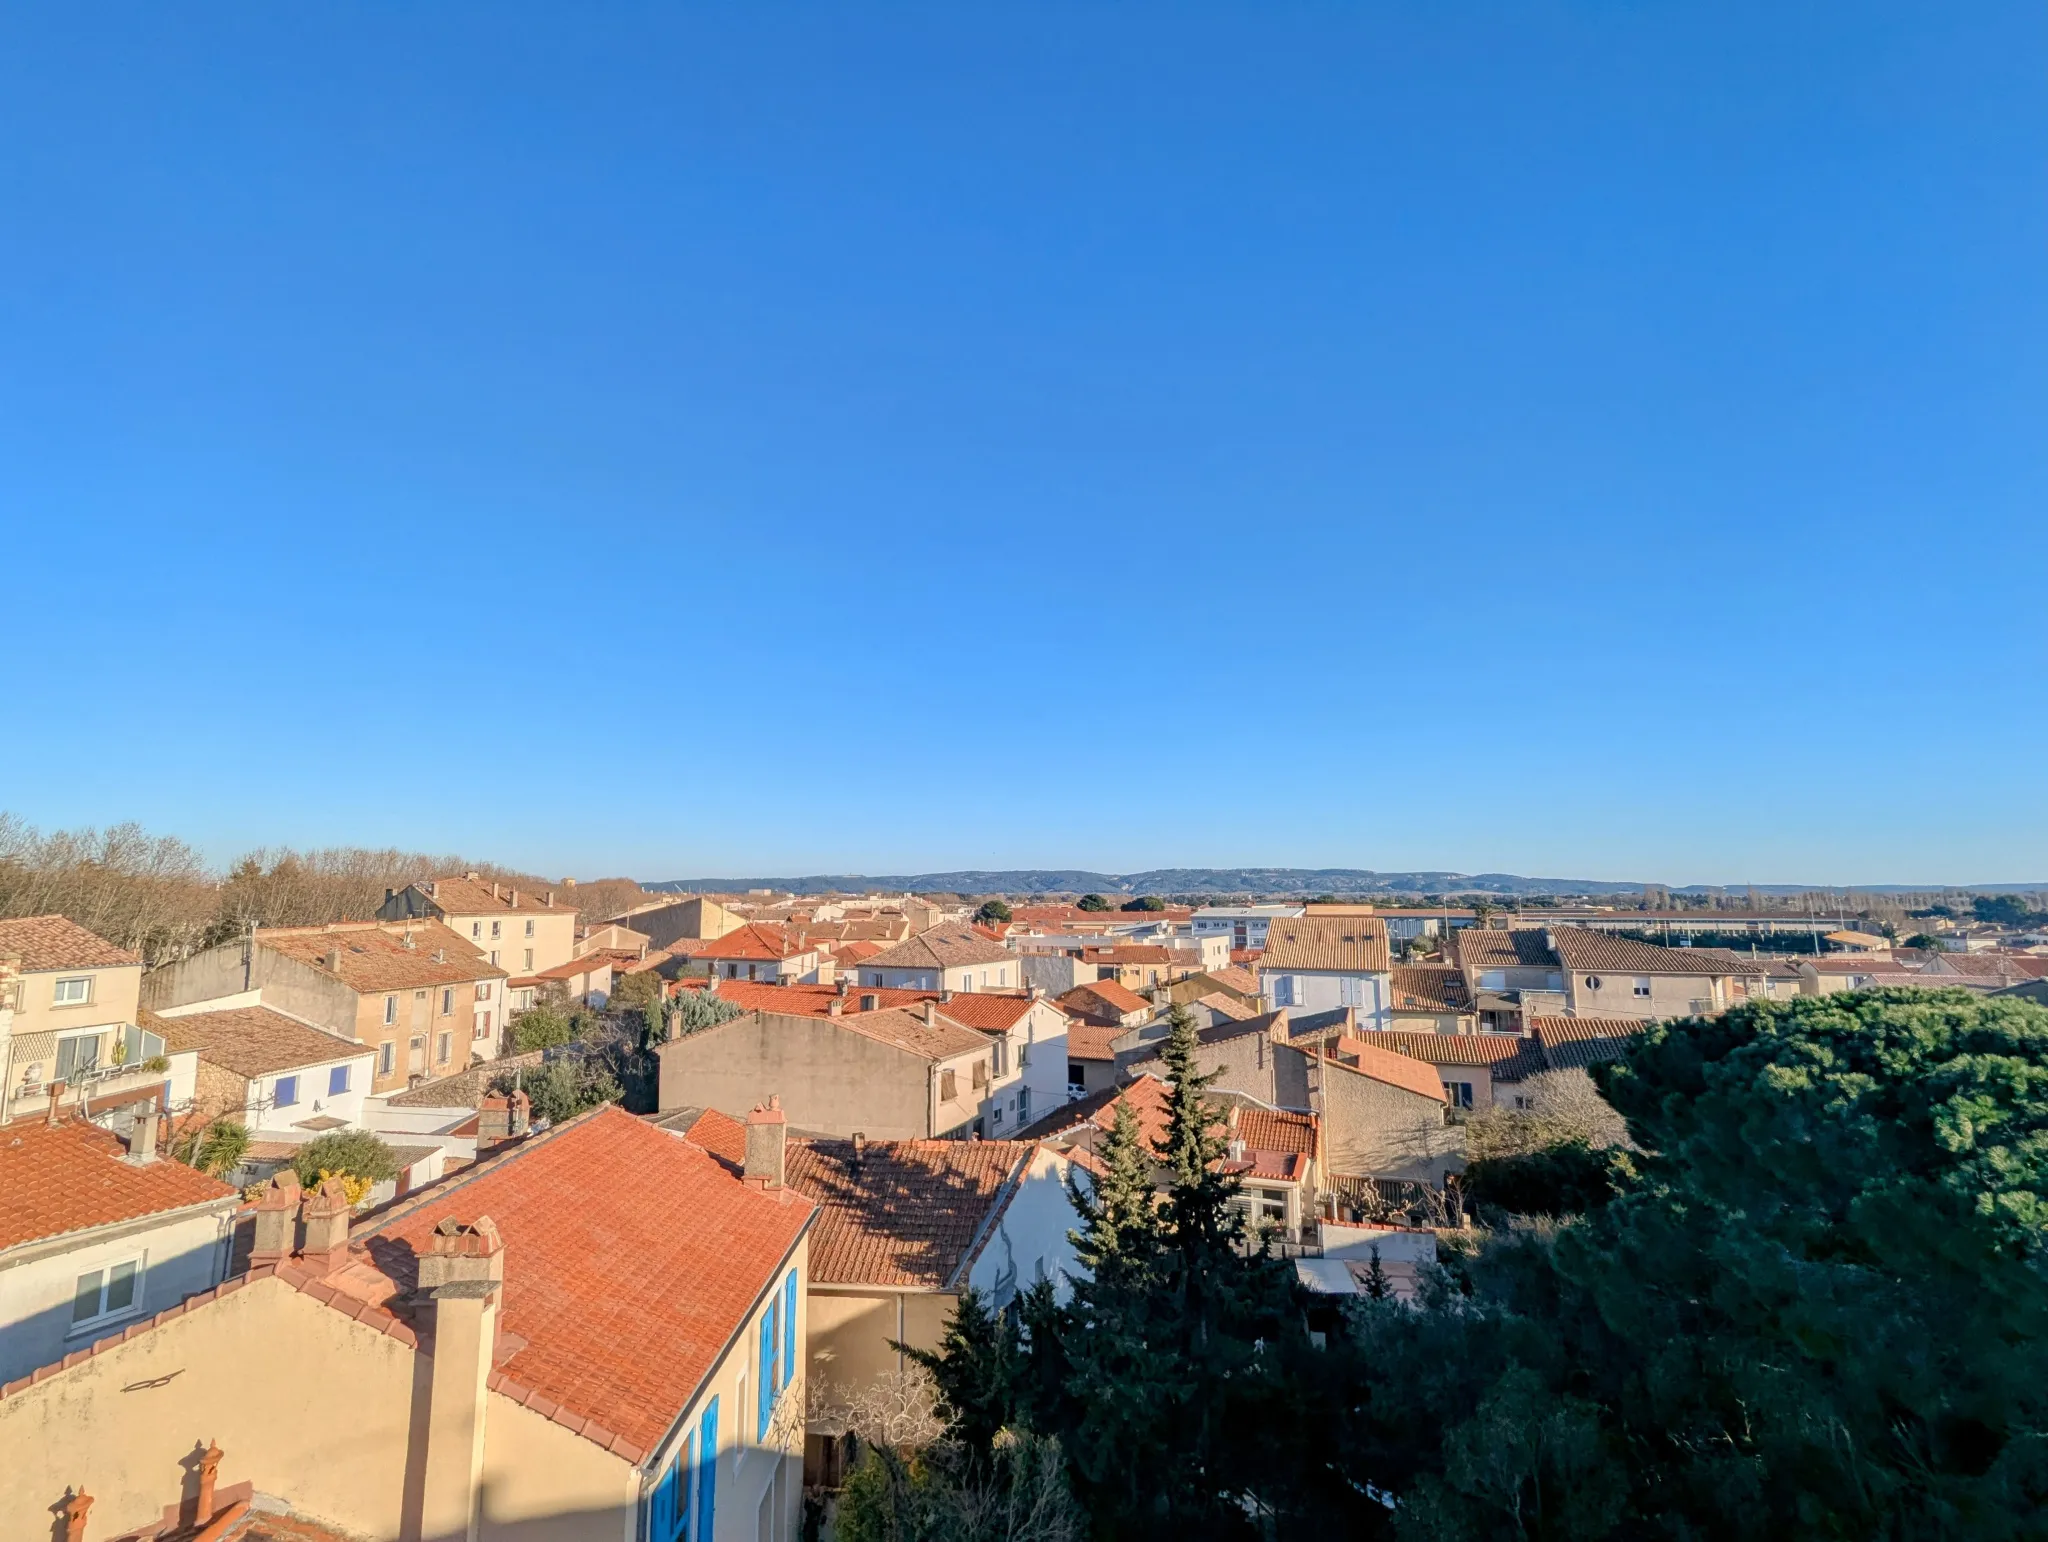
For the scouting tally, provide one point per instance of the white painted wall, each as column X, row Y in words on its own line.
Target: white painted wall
column 179, row 1257
column 313, row 1099
column 1029, row 1241
column 1304, row 991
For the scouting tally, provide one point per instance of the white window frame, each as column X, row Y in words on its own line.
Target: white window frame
column 529, row 928
column 390, row 1010
column 387, row 1057
column 93, row 1324
column 59, row 999
column 98, row 1054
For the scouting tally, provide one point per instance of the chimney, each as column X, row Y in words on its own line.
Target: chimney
column 333, row 961
column 842, row 984
column 494, row 888
column 325, row 1214
column 142, row 1135
column 73, row 1510
column 520, row 1108
column 434, row 887
column 209, row 1478
column 493, row 1123
column 56, row 1100
column 767, row 1144
column 461, row 1277
column 277, row 1214
column 440, row 955
column 515, row 899
column 860, row 1147
column 931, row 1013
column 549, row 899
column 836, row 1006
column 406, row 940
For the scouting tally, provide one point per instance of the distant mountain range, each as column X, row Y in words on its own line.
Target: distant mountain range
column 1232, row 880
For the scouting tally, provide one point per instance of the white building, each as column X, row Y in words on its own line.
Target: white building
column 97, row 1234
column 1319, row 963
column 1028, row 1069
column 946, row 958
column 1245, row 925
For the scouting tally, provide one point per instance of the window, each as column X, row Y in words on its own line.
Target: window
column 980, row 1073
column 441, row 1048
column 529, row 958
column 494, row 930
column 337, row 1081
column 788, row 1327
column 72, row 993
column 707, row 1471
column 447, row 1000
column 529, row 928
column 1592, row 982
column 77, row 1056
column 285, row 1093
column 668, row 1511
column 995, row 1113
column 483, row 990
column 949, row 1087
column 1642, row 987
column 483, row 1025
column 494, row 956
column 1459, row 1094
column 770, row 1378
column 390, row 1009
column 387, row 1058
column 1077, row 1076
column 476, row 928
column 114, row 1291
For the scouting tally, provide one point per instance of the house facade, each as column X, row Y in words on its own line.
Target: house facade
column 948, row 958
column 69, row 1001
column 1317, row 963
column 520, row 931
column 274, row 1075
column 422, row 998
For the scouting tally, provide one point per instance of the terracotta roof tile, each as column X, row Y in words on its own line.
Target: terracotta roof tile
column 1092, row 1041
column 373, row 955
column 1522, row 948
column 57, row 942
column 71, row 1176
column 943, row 947
column 755, row 940
column 1430, row 988
column 465, row 896
column 251, row 1041
column 1103, row 998
column 1584, row 951
column 1570, row 1042
column 1509, row 1055
column 1354, row 944
column 1384, row 1065
column 631, row 1259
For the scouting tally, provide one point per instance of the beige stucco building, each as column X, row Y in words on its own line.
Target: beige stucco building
column 69, row 1003
column 520, row 931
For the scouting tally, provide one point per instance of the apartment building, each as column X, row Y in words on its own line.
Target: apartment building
column 761, row 951
column 425, row 1000
column 1243, row 926
column 1555, row 971
column 521, row 931
column 69, row 1004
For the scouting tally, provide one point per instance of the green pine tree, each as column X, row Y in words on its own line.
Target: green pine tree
column 975, row 1368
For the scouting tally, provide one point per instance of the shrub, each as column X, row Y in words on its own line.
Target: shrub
column 350, row 1153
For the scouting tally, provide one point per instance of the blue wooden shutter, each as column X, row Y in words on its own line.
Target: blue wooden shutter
column 789, row 1328
column 707, row 1467
column 764, row 1394
column 686, row 1469
column 661, row 1517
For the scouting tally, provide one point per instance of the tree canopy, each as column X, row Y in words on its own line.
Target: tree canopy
column 1091, row 902
column 993, row 913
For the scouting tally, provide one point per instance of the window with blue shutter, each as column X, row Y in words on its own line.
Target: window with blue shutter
column 661, row 1509
column 687, row 1469
column 764, row 1395
column 707, row 1470
column 789, row 1328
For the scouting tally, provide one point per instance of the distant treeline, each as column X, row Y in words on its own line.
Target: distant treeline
column 157, row 895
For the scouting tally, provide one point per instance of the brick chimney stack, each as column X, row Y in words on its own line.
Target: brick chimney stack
column 325, row 1214
column 461, row 1278
column 767, row 1144
column 277, row 1217
column 493, row 1123
column 74, row 1512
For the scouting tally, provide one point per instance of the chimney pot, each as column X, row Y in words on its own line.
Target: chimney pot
column 767, row 1144
column 462, row 1275
column 56, row 1098
column 333, row 961
column 142, row 1135
column 515, row 899
column 277, row 1214
column 209, row 1477
column 550, row 898
column 75, row 1508
column 325, row 1215
column 835, row 1007
column 440, row 955
column 860, row 1145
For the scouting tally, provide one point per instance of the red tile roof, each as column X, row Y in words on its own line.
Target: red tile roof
column 943, row 947
column 755, row 940
column 69, row 1177
column 1103, row 997
column 57, row 942
column 1235, row 978
column 1584, row 951
column 375, row 956
column 1349, row 944
column 989, row 1011
column 470, row 896
column 904, row 1213
column 1384, row 1065
column 1489, row 1049
column 1430, row 988
column 1570, row 1042
column 631, row 1259
column 1091, row 1041
column 251, row 1041
column 813, row 1000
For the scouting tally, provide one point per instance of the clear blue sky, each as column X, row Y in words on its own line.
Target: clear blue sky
column 1602, row 438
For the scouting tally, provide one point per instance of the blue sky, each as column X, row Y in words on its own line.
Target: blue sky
column 1590, row 438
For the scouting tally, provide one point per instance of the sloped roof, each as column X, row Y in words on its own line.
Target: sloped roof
column 252, row 1041
column 58, row 942
column 1590, row 952
column 1348, row 944
column 374, row 956
column 1483, row 948
column 755, row 940
column 1572, row 1042
column 1430, row 988
column 1224, row 1005
column 1116, row 998
column 1509, row 1055
column 902, row 1214
column 942, row 947
column 631, row 1260
column 466, row 895
column 1236, row 978
column 71, row 1176
column 1092, row 1041
column 1384, row 1065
